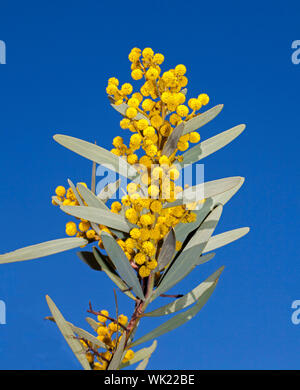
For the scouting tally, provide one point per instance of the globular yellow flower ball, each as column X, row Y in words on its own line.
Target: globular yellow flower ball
column 118, row 141
column 181, row 97
column 136, row 139
column 152, row 264
column 117, row 152
column 194, row 104
column 158, row 58
column 71, row 228
column 124, row 123
column 123, row 319
column 165, row 96
column 90, row 234
column 113, row 327
column 102, row 318
column 131, row 112
column 140, row 258
column 142, row 124
column 148, row 105
column 180, row 70
column 164, row 160
column 146, row 220
column 132, row 158
column 111, row 89
column 194, row 137
column 126, row 89
column 116, row 207
column 182, row 146
column 149, row 131
column 60, row 191
column 153, row 191
column 130, row 243
column 134, row 55
column 204, row 99
column 126, row 200
column 156, row 206
column 147, row 53
column 84, row 226
column 145, row 161
column 136, row 74
column 183, row 81
column 131, row 215
column 144, row 272
column 152, row 73
column 182, row 110
column 151, row 150
column 135, row 233
column 148, row 248
column 156, row 121
column 145, row 234
column 138, row 96
column 102, row 330
column 175, row 119
column 113, row 81
column 133, row 102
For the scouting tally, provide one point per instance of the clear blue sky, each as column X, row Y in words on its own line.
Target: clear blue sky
column 59, row 56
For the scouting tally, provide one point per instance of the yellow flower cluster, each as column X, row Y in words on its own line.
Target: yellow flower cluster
column 110, row 333
column 151, row 115
column 155, row 109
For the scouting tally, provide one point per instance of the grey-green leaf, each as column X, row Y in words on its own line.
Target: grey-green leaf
column 201, row 119
column 99, row 216
column 192, row 250
column 57, row 201
column 41, row 250
column 171, row 144
column 122, row 264
column 143, row 364
column 190, row 264
column 89, row 259
column 167, row 250
column 117, row 357
column 183, row 229
column 115, row 278
column 188, row 299
column 225, row 238
column 97, row 154
column 87, row 336
column 90, row 198
column 142, row 354
column 68, row 334
column 205, row 191
column 210, row 145
column 94, row 324
column 177, row 320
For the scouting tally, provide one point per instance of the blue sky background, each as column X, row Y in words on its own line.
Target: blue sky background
column 59, row 56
